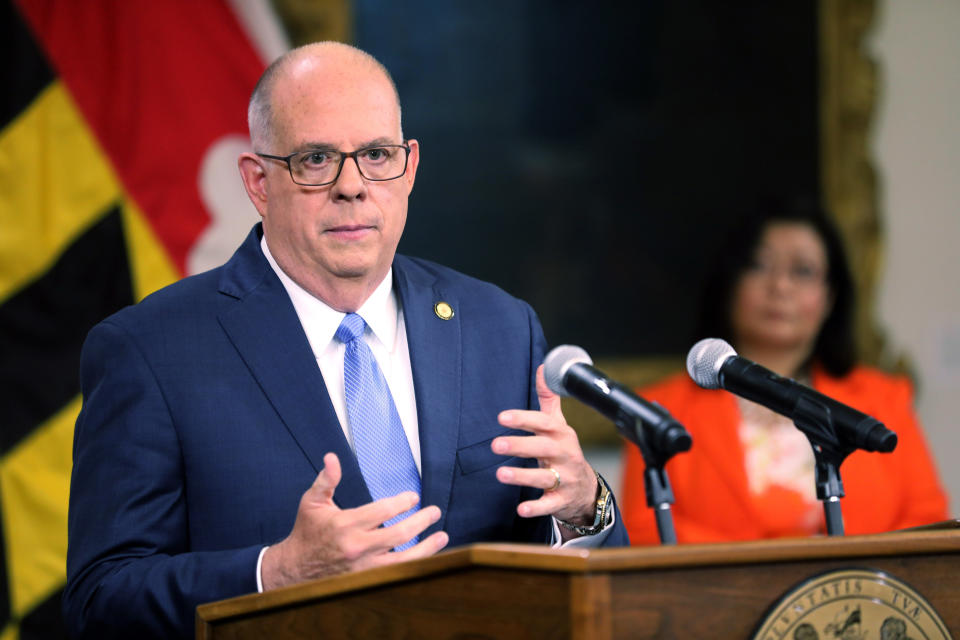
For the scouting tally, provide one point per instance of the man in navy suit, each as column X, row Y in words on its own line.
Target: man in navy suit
column 215, row 453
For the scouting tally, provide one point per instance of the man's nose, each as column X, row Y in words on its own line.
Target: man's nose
column 350, row 185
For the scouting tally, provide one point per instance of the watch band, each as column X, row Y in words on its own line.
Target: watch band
column 602, row 516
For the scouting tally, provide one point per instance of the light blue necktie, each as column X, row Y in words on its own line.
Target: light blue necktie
column 378, row 437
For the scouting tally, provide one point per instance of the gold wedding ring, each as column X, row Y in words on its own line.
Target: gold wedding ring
column 556, row 479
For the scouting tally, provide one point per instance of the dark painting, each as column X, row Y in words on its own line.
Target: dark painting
column 589, row 159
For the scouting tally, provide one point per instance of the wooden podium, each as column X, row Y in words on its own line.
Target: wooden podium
column 521, row 591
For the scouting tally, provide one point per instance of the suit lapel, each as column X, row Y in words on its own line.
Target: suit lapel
column 435, row 357
column 264, row 327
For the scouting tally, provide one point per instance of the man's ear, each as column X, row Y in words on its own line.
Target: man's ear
column 413, row 161
column 254, row 180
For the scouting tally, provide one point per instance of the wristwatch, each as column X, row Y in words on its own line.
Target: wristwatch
column 603, row 515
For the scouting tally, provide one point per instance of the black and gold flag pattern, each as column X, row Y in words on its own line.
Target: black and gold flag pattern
column 99, row 205
column 63, row 267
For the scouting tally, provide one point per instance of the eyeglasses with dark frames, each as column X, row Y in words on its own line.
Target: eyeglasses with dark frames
column 319, row 167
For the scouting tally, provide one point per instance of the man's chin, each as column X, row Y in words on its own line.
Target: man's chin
column 358, row 270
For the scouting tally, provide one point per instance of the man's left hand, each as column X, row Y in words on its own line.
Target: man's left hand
column 568, row 481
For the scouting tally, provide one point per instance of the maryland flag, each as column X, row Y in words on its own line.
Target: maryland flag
column 120, row 123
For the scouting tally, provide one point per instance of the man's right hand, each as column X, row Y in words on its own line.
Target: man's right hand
column 327, row 540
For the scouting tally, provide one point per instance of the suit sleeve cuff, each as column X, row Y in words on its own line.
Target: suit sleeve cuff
column 587, row 542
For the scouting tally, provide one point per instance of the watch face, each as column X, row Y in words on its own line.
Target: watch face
column 604, row 512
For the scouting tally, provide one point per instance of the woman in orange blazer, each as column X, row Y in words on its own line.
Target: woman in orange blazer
column 782, row 295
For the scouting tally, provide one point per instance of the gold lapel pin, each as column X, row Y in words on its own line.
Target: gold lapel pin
column 443, row 310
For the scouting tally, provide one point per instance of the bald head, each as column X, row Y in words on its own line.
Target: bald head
column 329, row 58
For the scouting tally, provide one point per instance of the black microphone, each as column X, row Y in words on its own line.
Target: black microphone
column 713, row 364
column 569, row 372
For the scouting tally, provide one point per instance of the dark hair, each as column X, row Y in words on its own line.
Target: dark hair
column 834, row 348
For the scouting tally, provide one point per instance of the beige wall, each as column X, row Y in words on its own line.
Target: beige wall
column 917, row 155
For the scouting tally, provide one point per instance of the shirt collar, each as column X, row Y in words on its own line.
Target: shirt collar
column 320, row 321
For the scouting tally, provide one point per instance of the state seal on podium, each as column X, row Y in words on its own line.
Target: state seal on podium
column 852, row 604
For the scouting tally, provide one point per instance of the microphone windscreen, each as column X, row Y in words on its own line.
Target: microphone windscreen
column 558, row 361
column 705, row 359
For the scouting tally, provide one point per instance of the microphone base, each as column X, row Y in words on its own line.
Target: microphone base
column 829, row 491
column 829, row 452
column 831, row 511
column 659, row 498
column 668, row 535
